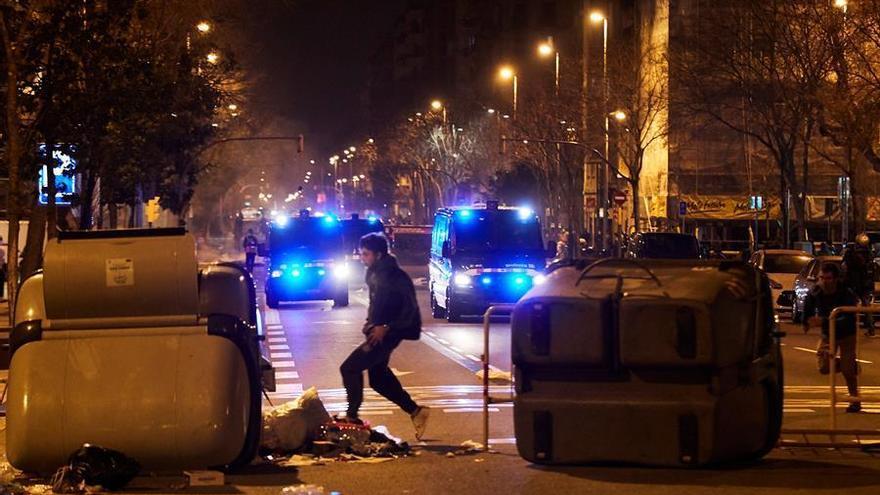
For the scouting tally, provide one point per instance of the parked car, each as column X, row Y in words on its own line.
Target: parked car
column 808, row 277
column 663, row 245
column 782, row 267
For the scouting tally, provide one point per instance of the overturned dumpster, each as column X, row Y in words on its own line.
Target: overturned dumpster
column 671, row 363
column 122, row 342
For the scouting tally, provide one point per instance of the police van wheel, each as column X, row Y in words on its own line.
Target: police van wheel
column 452, row 312
column 436, row 311
column 271, row 301
column 341, row 300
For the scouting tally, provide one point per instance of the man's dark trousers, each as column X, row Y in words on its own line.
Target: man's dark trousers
column 374, row 360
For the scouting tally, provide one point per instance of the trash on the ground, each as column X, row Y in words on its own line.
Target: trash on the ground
column 205, row 478
column 302, row 460
column 496, row 375
column 303, row 490
column 288, row 427
column 8, row 474
column 93, row 466
column 467, row 447
column 38, row 489
column 341, row 441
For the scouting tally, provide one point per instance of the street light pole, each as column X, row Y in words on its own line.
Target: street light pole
column 515, row 94
column 603, row 198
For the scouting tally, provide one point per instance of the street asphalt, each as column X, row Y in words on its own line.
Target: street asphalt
column 308, row 341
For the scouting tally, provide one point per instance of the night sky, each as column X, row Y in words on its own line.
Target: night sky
column 312, row 60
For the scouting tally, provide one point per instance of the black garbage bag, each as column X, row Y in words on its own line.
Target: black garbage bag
column 92, row 465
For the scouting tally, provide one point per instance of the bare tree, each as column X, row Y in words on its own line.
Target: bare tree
column 639, row 93
column 755, row 66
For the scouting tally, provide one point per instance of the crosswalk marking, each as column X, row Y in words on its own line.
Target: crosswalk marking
column 279, row 347
column 280, row 355
column 277, row 340
column 284, row 375
column 283, row 364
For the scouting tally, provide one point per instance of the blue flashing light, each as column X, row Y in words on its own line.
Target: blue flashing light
column 296, row 273
column 464, row 213
column 329, row 219
column 372, row 219
column 281, row 221
column 322, row 272
column 519, row 280
column 486, row 280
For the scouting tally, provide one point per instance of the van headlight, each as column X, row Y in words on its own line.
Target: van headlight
column 538, row 279
column 461, row 280
column 340, row 271
column 276, row 273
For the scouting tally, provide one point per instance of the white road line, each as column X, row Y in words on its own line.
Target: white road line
column 442, row 341
column 470, row 410
column 288, row 388
column 473, row 358
column 377, row 413
column 796, row 410
column 283, row 364
column 429, row 333
column 813, row 351
column 502, row 441
column 276, row 326
column 280, row 355
column 281, row 375
column 277, row 340
column 456, row 349
column 276, row 333
column 279, row 347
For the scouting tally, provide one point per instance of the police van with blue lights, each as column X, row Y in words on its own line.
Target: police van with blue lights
column 307, row 260
column 483, row 255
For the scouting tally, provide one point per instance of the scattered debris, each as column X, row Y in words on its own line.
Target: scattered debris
column 303, row 490
column 496, row 375
column 205, row 478
column 467, row 447
column 288, row 427
column 92, row 466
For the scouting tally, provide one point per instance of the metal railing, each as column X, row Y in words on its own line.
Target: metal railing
column 833, row 431
column 488, row 399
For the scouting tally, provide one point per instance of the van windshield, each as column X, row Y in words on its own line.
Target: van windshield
column 497, row 231
column 318, row 237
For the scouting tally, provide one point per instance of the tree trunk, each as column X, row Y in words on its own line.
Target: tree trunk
column 13, row 161
column 32, row 254
column 113, row 212
column 637, row 216
column 86, row 199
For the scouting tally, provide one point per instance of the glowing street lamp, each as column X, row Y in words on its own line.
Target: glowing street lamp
column 213, row 58
column 233, row 107
column 599, row 18
column 438, row 106
column 546, row 50
column 203, row 27
column 507, row 73
column 619, row 115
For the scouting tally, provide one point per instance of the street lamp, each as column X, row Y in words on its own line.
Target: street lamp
column 545, row 50
column 619, row 115
column 507, row 73
column 598, row 17
column 213, row 58
column 233, row 107
column 841, row 4
column 203, row 27
column 438, row 106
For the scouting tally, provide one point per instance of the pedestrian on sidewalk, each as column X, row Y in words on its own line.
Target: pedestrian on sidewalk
column 858, row 264
column 250, row 244
column 828, row 294
column 393, row 316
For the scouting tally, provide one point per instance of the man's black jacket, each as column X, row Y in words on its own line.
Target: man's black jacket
column 393, row 299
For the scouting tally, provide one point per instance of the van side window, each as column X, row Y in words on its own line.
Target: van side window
column 438, row 235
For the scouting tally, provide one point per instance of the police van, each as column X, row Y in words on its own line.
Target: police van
column 483, row 255
column 307, row 260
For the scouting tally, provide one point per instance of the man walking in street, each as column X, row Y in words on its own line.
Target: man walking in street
column 393, row 316
column 858, row 265
column 250, row 244
column 828, row 294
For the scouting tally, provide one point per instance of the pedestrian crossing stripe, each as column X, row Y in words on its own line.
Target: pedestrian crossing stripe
column 279, row 347
column 280, row 355
column 277, row 340
column 282, row 375
column 288, row 388
column 283, row 364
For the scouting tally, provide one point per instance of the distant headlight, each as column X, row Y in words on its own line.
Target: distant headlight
column 462, row 280
column 340, row 271
column 539, row 279
column 276, row 273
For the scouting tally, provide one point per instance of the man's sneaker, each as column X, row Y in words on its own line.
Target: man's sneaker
column 353, row 420
column 420, row 420
column 854, row 407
